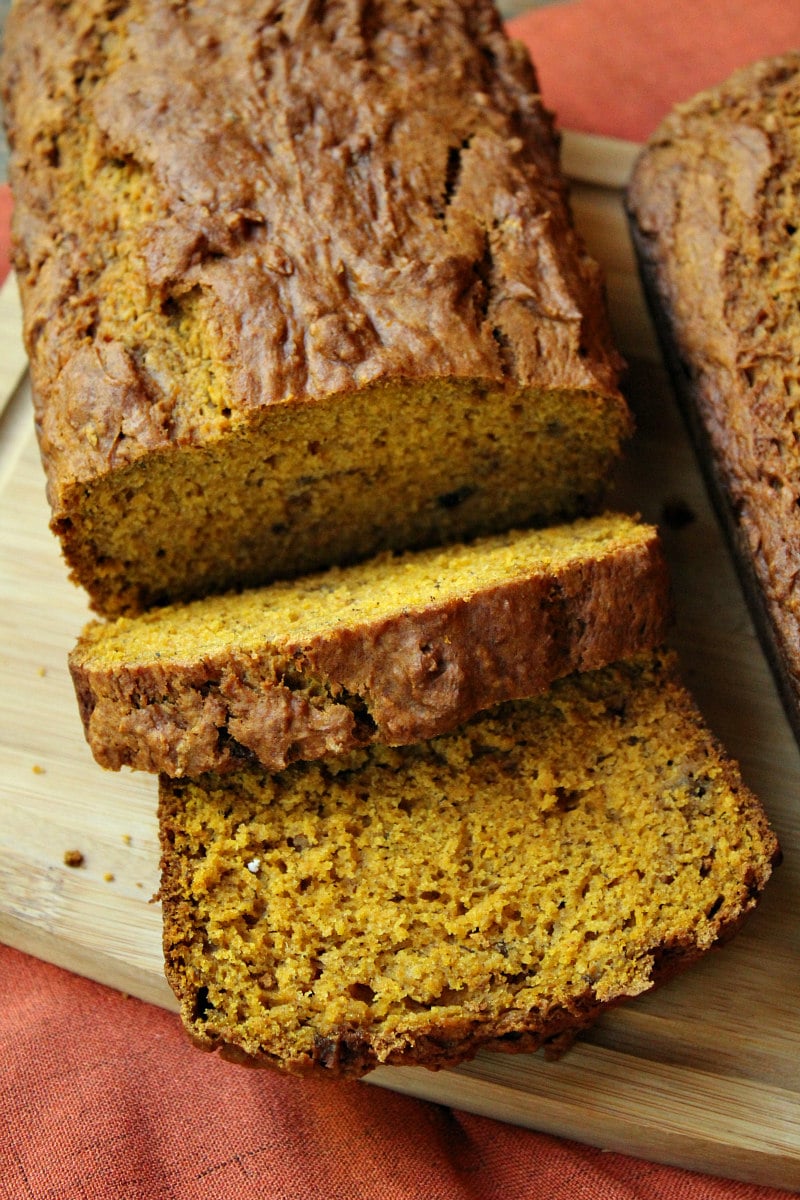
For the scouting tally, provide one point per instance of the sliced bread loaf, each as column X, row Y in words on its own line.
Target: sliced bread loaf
column 395, row 650
column 296, row 288
column 496, row 887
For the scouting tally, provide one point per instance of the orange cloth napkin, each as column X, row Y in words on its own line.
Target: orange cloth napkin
column 616, row 67
column 104, row 1099
column 101, row 1096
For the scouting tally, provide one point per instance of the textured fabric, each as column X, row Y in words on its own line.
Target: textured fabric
column 102, row 1098
column 616, row 67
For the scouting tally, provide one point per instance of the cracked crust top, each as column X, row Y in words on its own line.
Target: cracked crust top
column 222, row 207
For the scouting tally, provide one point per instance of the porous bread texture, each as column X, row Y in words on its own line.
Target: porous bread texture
column 715, row 216
column 296, row 289
column 395, row 650
column 496, row 887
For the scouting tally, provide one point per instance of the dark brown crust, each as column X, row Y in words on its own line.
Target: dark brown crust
column 707, row 325
column 399, row 680
column 349, row 1054
column 342, row 56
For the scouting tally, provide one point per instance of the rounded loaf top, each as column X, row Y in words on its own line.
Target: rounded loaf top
column 225, row 206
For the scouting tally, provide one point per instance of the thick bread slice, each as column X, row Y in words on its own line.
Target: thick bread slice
column 394, row 650
column 496, row 887
column 298, row 286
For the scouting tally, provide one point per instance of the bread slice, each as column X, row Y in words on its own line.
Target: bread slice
column 496, row 887
column 296, row 288
column 395, row 650
column 715, row 214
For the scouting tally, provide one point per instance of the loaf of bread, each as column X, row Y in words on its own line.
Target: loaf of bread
column 496, row 887
column 398, row 649
column 715, row 214
column 300, row 283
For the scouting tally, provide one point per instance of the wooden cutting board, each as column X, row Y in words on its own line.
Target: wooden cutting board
column 704, row 1073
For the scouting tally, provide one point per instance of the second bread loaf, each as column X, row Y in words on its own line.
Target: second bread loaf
column 716, row 220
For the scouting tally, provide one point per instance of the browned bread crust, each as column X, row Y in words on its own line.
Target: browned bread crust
column 394, row 650
column 300, row 283
column 715, row 218
column 496, row 887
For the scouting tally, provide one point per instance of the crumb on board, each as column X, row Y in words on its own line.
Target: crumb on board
column 37, row 769
column 127, row 839
column 73, row 858
column 108, row 877
column 42, row 671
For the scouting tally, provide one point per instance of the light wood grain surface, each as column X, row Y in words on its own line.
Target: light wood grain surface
column 704, row 1073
